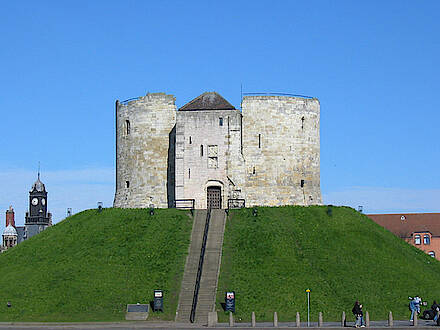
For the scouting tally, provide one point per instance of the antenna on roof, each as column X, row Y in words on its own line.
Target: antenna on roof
column 38, row 170
column 241, row 94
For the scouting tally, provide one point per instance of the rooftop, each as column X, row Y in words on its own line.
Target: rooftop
column 208, row 101
column 405, row 224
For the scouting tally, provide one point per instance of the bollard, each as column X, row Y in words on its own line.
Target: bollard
column 416, row 321
column 343, row 319
column 367, row 319
column 390, row 319
column 212, row 319
column 254, row 323
column 231, row 319
column 298, row 320
column 275, row 319
column 320, row 320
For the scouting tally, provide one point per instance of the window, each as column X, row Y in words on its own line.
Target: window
column 432, row 254
column 127, row 184
column 253, row 170
column 201, row 150
column 189, row 173
column 302, row 123
column 417, row 239
column 426, row 240
column 259, row 140
column 302, row 183
column 220, row 121
column 213, row 156
column 190, row 140
column 127, row 127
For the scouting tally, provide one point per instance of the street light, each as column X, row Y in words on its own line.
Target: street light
column 308, row 307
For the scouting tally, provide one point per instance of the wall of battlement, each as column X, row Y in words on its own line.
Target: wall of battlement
column 205, row 141
column 281, row 150
column 144, row 170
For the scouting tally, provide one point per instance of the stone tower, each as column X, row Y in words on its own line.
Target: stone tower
column 268, row 154
column 145, row 137
column 281, row 148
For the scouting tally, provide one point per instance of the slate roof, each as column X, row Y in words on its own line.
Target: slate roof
column 411, row 223
column 208, row 101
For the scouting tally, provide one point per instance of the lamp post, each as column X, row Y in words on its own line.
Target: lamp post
column 308, row 307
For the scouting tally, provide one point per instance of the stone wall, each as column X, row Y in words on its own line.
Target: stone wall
column 203, row 146
column 144, row 174
column 281, row 150
column 269, row 154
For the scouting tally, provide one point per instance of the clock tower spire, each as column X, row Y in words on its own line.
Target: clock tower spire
column 37, row 218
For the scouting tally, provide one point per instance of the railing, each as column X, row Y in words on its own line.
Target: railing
column 200, row 268
column 281, row 94
column 185, row 204
column 129, row 100
column 236, row 203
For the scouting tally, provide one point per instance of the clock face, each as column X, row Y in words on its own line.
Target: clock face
column 34, row 201
column 43, row 201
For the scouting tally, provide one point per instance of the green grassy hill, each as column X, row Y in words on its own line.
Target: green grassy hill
column 270, row 260
column 89, row 266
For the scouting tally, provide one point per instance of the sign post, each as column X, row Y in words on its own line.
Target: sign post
column 230, row 301
column 158, row 300
column 308, row 307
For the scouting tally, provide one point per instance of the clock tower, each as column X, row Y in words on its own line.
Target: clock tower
column 37, row 219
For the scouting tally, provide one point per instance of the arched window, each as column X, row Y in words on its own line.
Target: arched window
column 432, row 254
column 302, row 122
column 127, row 127
column 426, row 239
column 417, row 239
column 201, row 150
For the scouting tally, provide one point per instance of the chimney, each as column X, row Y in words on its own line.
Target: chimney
column 10, row 217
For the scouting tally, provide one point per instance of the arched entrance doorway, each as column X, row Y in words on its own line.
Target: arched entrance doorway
column 214, row 197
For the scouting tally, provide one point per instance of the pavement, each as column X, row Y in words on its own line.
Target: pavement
column 145, row 325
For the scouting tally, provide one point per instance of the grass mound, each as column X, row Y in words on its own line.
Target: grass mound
column 89, row 266
column 270, row 260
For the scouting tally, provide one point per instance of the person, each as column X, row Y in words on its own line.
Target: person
column 436, row 308
column 414, row 306
column 357, row 312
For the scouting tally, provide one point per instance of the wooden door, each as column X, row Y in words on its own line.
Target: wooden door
column 214, row 197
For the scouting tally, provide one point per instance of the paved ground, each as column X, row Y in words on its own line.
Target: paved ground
column 377, row 325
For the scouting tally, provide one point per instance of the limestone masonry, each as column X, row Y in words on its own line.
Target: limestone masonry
column 210, row 152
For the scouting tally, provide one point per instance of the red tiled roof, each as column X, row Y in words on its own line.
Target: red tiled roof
column 405, row 224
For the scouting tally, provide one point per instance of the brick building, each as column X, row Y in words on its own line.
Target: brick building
column 421, row 230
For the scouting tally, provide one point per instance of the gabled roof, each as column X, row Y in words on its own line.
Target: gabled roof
column 208, row 101
column 405, row 224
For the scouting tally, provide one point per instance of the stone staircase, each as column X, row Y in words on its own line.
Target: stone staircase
column 211, row 267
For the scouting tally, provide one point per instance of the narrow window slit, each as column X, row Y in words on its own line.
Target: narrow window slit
column 127, row 127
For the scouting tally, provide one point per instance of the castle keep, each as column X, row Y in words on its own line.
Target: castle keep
column 210, row 152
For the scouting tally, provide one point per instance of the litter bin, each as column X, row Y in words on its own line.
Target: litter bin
column 230, row 301
column 158, row 300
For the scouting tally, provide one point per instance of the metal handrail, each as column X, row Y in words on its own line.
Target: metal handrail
column 129, row 100
column 200, row 268
column 191, row 202
column 236, row 203
column 281, row 94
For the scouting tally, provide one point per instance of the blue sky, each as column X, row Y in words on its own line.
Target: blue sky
column 372, row 64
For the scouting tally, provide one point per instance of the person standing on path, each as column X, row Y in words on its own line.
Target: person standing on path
column 357, row 312
column 414, row 306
